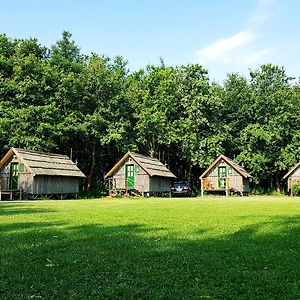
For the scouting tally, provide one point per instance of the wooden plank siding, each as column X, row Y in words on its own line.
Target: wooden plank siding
column 141, row 180
column 47, row 185
column 160, row 184
column 234, row 179
column 39, row 173
column 293, row 178
column 150, row 175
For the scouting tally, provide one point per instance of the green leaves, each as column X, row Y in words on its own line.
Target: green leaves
column 152, row 96
column 266, row 142
column 57, row 99
column 201, row 129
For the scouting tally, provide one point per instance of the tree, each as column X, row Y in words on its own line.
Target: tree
column 105, row 111
column 275, row 125
column 66, row 54
column 27, row 87
column 200, row 126
column 152, row 96
column 236, row 97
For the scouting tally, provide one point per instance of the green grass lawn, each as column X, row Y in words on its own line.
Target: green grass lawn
column 204, row 248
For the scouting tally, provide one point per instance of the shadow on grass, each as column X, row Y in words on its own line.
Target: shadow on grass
column 135, row 261
column 15, row 209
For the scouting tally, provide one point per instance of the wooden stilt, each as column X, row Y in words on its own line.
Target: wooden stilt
column 290, row 186
column 227, row 186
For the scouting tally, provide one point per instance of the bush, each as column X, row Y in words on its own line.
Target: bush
column 295, row 189
column 97, row 191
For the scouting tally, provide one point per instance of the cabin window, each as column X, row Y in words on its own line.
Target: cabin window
column 229, row 171
column 21, row 167
column 137, row 169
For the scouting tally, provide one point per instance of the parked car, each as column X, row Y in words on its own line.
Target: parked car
column 181, row 188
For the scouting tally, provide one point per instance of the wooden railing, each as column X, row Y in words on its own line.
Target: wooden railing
column 5, row 182
column 120, row 185
column 218, row 184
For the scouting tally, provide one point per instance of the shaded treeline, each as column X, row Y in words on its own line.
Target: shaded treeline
column 92, row 108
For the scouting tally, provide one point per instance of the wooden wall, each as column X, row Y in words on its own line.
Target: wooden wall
column 39, row 184
column 236, row 181
column 160, row 184
column 246, row 185
column 26, row 182
column 143, row 182
column 142, row 179
column 55, row 185
column 294, row 178
column 4, row 174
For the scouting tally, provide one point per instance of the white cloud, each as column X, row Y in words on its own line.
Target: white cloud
column 224, row 46
column 262, row 13
column 255, row 57
column 240, row 49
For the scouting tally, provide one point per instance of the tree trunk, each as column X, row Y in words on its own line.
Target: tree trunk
column 152, row 152
column 92, row 167
column 189, row 174
column 277, row 183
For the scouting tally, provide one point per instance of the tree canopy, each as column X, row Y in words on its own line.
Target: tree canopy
column 93, row 108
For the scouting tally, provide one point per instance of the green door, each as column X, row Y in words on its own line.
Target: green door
column 129, row 175
column 222, row 174
column 14, row 178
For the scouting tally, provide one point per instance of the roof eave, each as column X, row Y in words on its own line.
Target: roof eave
column 291, row 171
column 117, row 165
column 132, row 155
column 228, row 161
column 6, row 157
column 23, row 161
column 13, row 151
column 168, row 176
column 211, row 166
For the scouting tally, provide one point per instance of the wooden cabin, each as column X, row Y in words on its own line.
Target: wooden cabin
column 293, row 178
column 35, row 174
column 138, row 174
column 225, row 176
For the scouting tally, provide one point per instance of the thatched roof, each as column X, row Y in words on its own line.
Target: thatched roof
column 292, row 170
column 41, row 163
column 233, row 164
column 152, row 166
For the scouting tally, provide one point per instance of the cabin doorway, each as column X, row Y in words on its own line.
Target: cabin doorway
column 14, row 176
column 222, row 174
column 129, row 175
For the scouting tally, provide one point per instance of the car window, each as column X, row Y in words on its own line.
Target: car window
column 180, row 183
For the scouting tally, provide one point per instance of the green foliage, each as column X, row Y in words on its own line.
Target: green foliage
column 152, row 96
column 66, row 54
column 59, row 100
column 295, row 189
column 200, row 125
column 273, row 126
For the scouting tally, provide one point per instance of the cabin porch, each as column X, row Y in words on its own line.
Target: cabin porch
column 120, row 186
column 9, row 187
column 293, row 181
column 221, row 185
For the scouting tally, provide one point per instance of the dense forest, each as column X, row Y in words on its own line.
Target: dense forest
column 93, row 109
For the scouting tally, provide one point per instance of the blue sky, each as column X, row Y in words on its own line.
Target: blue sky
column 223, row 35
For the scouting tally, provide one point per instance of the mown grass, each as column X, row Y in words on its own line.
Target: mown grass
column 209, row 248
